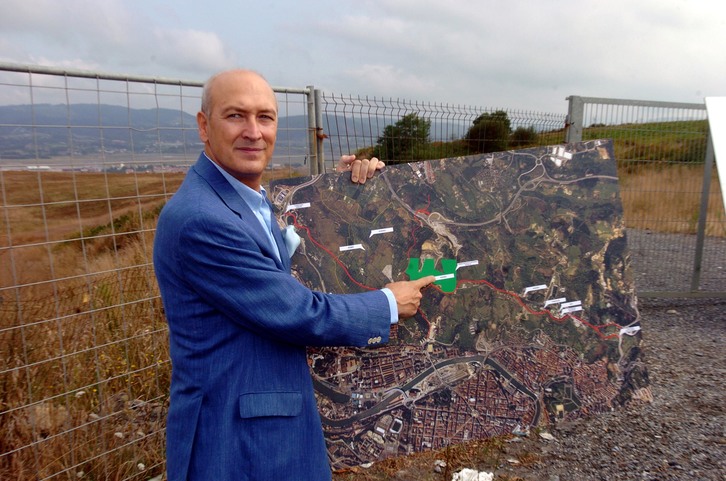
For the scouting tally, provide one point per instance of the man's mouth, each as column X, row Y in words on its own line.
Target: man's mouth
column 250, row 149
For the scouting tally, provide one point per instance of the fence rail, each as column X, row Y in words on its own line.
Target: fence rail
column 87, row 160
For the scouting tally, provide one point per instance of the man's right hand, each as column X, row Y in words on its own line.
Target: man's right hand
column 408, row 295
column 360, row 169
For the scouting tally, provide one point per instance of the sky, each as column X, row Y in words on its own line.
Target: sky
column 511, row 54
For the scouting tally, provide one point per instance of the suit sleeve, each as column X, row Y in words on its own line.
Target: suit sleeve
column 223, row 264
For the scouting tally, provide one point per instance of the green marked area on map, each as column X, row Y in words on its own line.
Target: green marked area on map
column 416, row 271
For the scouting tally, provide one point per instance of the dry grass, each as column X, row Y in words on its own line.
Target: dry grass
column 84, row 370
column 84, row 362
column 84, row 359
column 668, row 199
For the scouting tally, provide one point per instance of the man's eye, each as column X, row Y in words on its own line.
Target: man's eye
column 234, row 116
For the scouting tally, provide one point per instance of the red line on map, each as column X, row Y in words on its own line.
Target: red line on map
column 332, row 255
column 413, row 243
column 514, row 295
column 425, row 210
column 559, row 320
column 419, row 226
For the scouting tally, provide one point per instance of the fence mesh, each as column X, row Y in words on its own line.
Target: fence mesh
column 358, row 124
column 661, row 149
column 85, row 165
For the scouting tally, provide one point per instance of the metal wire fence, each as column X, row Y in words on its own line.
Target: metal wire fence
column 356, row 124
column 86, row 162
column 673, row 206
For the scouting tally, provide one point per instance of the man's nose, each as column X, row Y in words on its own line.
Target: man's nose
column 252, row 130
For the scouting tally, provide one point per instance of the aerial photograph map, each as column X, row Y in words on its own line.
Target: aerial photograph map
column 532, row 319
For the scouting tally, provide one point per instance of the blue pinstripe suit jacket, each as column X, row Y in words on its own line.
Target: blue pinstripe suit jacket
column 242, row 404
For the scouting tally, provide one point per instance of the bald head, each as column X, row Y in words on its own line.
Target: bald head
column 243, row 76
column 238, row 124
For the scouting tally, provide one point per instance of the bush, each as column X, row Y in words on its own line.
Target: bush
column 489, row 133
column 405, row 140
column 524, row 137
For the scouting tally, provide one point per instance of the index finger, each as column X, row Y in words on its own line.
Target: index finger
column 424, row 281
column 355, row 169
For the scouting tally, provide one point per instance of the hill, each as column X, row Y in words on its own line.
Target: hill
column 50, row 130
column 47, row 130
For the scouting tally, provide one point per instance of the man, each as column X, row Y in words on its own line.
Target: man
column 242, row 404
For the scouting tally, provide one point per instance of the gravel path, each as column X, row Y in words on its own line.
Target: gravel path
column 681, row 435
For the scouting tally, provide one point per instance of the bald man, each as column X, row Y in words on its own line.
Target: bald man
column 242, row 405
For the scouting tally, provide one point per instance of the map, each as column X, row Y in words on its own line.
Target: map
column 533, row 316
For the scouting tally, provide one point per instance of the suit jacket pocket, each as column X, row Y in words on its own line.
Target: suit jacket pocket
column 273, row 403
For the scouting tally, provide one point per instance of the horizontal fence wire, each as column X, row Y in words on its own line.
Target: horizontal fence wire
column 87, row 160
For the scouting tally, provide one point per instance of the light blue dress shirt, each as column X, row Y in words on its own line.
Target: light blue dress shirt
column 257, row 202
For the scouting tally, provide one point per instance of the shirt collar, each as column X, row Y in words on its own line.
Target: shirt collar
column 252, row 198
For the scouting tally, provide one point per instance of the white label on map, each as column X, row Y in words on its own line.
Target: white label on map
column 629, row 331
column 535, row 288
column 380, row 231
column 444, row 276
column 559, row 300
column 352, row 247
column 571, row 309
column 572, row 303
column 304, row 205
column 467, row 263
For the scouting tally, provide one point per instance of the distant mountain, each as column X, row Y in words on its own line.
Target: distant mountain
column 88, row 129
column 52, row 130
column 47, row 130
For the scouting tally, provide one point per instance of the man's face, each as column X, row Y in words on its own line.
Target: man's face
column 240, row 128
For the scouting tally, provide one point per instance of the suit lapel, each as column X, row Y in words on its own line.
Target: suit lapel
column 277, row 234
column 235, row 203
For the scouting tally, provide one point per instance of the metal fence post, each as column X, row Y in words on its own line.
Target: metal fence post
column 702, row 214
column 312, row 131
column 320, row 150
column 575, row 116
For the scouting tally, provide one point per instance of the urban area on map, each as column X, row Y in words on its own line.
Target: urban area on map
column 533, row 316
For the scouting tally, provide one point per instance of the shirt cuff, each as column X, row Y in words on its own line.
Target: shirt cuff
column 391, row 304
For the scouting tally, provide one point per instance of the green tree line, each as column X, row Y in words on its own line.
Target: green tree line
column 409, row 138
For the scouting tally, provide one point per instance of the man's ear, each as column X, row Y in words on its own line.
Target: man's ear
column 202, row 126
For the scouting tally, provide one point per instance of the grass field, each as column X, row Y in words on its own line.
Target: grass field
column 84, row 362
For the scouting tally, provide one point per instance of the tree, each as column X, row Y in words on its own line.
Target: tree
column 403, row 140
column 524, row 136
column 489, row 132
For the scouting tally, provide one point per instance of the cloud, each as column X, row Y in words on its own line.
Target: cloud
column 70, row 23
column 190, row 50
column 105, row 35
column 394, row 81
column 524, row 54
column 484, row 53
